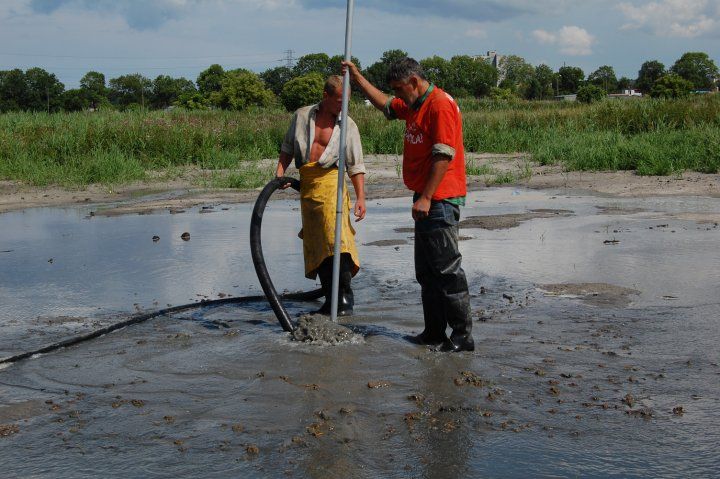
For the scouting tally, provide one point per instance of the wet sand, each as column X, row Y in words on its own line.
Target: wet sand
column 596, row 354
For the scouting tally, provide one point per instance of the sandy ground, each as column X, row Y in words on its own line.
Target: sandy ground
column 383, row 180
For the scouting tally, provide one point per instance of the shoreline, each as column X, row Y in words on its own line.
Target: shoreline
column 383, row 181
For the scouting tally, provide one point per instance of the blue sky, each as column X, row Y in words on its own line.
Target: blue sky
column 182, row 37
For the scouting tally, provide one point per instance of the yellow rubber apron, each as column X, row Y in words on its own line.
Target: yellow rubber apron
column 318, row 195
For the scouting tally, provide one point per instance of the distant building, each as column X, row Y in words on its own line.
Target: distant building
column 492, row 58
column 626, row 94
column 571, row 97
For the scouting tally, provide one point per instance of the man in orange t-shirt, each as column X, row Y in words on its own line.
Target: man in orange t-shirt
column 434, row 169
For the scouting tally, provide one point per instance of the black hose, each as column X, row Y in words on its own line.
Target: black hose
column 259, row 262
column 257, row 254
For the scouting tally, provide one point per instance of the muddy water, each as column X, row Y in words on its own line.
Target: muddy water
column 597, row 353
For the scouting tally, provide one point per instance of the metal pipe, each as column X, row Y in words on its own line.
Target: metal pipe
column 341, row 166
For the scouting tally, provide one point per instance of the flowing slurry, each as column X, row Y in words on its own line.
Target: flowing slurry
column 596, row 333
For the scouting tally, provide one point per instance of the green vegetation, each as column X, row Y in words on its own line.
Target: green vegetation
column 652, row 136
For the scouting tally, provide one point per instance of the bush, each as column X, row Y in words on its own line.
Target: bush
column 241, row 89
column 671, row 86
column 301, row 91
column 502, row 94
column 590, row 94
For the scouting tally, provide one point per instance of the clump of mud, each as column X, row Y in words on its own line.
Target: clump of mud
column 598, row 294
column 319, row 329
column 387, row 242
column 502, row 222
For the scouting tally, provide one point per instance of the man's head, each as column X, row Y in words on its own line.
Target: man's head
column 407, row 80
column 332, row 95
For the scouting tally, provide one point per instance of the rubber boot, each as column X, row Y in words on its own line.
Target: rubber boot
column 435, row 322
column 346, row 298
column 324, row 272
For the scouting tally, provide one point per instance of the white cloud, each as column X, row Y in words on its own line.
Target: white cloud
column 572, row 40
column 673, row 18
column 476, row 32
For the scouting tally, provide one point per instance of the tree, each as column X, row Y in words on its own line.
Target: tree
column 624, row 83
column 541, row 85
column 698, row 69
column 92, row 86
column 276, row 78
column 241, row 89
column 377, row 72
column 605, row 78
column 167, row 90
column 671, row 85
column 437, row 71
column 570, row 79
column 469, row 76
column 210, row 80
column 649, row 72
column 515, row 73
column 312, row 63
column 13, row 90
column 74, row 100
column 303, row 90
column 335, row 64
column 591, row 93
column 126, row 90
column 44, row 90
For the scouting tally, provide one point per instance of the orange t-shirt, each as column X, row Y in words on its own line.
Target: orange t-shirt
column 434, row 127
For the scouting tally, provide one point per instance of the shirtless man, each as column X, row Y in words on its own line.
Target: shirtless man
column 313, row 142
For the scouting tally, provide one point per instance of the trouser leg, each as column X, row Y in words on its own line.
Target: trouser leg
column 441, row 277
column 433, row 314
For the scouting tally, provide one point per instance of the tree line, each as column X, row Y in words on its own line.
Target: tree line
column 462, row 76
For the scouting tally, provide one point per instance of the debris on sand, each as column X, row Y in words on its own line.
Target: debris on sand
column 378, row 384
column 8, row 430
column 469, row 377
column 319, row 329
column 185, row 236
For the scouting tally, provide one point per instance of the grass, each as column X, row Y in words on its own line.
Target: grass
column 658, row 137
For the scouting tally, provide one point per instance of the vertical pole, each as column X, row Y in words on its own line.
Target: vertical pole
column 341, row 167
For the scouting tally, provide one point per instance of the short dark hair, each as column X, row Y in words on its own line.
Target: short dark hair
column 403, row 69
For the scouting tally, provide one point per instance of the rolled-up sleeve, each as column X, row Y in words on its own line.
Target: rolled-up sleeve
column 443, row 133
column 288, row 144
column 353, row 151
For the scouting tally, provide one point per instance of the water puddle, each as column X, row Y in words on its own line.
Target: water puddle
column 596, row 333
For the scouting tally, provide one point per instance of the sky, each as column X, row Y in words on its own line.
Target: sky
column 183, row 37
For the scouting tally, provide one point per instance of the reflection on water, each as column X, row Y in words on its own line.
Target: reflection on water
column 557, row 388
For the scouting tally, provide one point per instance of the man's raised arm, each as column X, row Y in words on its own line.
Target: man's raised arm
column 376, row 97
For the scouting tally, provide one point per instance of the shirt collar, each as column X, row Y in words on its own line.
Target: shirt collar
column 419, row 102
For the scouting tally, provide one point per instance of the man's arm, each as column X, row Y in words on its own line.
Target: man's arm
column 282, row 165
column 358, row 182
column 376, row 97
column 421, row 207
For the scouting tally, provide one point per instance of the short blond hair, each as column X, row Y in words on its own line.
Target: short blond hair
column 332, row 84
